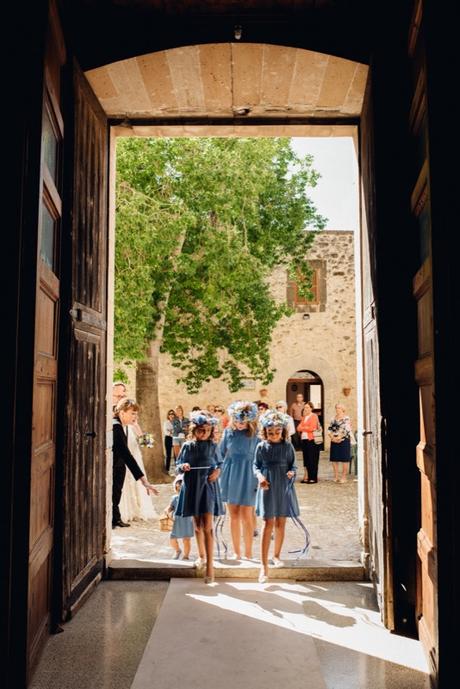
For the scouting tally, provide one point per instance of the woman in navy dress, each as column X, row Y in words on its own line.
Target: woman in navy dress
column 237, row 481
column 199, row 461
column 340, row 435
column 275, row 469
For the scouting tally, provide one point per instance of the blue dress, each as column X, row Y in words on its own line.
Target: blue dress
column 198, row 495
column 183, row 526
column 274, row 460
column 238, row 484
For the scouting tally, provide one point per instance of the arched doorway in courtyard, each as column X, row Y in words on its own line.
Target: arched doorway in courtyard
column 310, row 385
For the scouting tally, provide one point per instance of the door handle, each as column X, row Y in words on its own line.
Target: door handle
column 90, row 434
column 367, row 432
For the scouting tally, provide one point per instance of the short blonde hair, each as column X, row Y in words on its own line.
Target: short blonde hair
column 125, row 404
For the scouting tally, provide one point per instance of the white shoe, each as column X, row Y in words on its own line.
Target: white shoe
column 199, row 563
column 277, row 562
column 263, row 577
column 233, row 557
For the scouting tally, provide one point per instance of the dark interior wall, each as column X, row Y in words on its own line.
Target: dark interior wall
column 21, row 162
column 105, row 32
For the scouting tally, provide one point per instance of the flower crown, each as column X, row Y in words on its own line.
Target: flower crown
column 274, row 418
column 200, row 418
column 243, row 411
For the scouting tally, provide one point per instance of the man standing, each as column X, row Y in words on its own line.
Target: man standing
column 296, row 413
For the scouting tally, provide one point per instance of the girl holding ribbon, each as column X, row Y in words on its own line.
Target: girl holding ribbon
column 199, row 461
column 237, row 482
column 275, row 469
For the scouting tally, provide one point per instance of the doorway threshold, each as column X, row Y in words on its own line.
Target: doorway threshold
column 296, row 570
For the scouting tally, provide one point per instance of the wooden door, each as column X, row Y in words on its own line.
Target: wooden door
column 427, row 567
column 85, row 441
column 376, row 522
column 43, row 460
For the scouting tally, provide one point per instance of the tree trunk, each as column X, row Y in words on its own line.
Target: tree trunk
column 147, row 391
column 148, row 399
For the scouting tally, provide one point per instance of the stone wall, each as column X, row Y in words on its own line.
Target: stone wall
column 323, row 343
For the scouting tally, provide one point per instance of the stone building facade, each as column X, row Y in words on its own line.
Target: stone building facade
column 318, row 340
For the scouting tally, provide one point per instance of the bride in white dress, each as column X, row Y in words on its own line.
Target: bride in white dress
column 135, row 504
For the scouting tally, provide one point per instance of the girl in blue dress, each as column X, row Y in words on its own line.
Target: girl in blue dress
column 237, row 482
column 275, row 469
column 199, row 461
column 183, row 526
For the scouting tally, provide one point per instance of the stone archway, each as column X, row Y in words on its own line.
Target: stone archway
column 228, row 81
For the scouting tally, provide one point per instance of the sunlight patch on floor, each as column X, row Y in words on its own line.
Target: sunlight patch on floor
column 306, row 609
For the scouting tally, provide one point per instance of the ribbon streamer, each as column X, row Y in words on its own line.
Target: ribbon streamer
column 298, row 522
column 218, row 528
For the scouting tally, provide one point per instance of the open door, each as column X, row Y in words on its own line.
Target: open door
column 427, row 566
column 46, row 354
column 83, row 508
column 377, row 512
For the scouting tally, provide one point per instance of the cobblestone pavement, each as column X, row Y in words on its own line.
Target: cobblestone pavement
column 329, row 510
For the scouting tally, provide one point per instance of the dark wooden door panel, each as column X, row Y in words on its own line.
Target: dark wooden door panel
column 84, row 448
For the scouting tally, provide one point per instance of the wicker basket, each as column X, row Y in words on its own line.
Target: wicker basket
column 166, row 522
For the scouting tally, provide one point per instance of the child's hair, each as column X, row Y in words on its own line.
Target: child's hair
column 264, row 435
column 251, row 429
column 196, row 408
column 124, row 404
column 171, row 411
column 201, row 418
column 178, row 480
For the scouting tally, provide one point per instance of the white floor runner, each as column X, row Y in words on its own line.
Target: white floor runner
column 230, row 635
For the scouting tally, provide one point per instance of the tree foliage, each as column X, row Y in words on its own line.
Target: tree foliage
column 236, row 208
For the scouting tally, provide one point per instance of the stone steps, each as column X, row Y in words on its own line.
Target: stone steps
column 301, row 570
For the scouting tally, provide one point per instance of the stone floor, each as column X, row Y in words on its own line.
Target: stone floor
column 328, row 509
column 315, row 635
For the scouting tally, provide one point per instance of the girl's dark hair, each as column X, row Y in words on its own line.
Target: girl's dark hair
column 171, row 411
column 264, row 435
column 191, row 432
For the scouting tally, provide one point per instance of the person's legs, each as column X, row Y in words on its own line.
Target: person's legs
column 187, row 545
column 246, row 513
column 118, row 478
column 312, row 460
column 306, row 473
column 345, row 468
column 265, row 544
column 168, row 450
column 235, row 528
column 175, row 544
column 209, row 545
column 335, row 466
column 199, row 535
column 280, row 527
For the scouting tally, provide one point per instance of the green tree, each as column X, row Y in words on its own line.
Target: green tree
column 200, row 224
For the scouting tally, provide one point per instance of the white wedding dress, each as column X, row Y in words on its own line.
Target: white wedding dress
column 135, row 504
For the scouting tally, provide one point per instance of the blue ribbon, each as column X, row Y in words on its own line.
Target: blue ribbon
column 218, row 528
column 298, row 522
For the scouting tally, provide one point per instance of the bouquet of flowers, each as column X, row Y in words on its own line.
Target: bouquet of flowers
column 146, row 440
column 339, row 430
